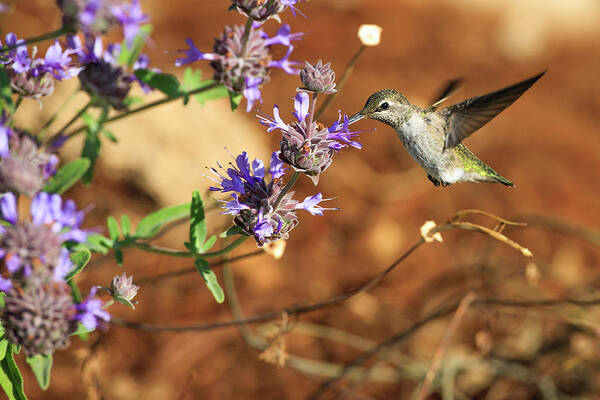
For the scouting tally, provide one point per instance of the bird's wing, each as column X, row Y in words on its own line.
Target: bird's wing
column 468, row 116
column 447, row 90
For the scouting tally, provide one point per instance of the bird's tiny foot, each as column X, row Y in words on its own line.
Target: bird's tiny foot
column 433, row 180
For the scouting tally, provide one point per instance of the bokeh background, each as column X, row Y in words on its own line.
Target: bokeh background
column 547, row 143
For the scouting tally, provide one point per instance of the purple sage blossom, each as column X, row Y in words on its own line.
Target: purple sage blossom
column 260, row 206
column 34, row 77
column 36, row 247
column 307, row 145
column 91, row 312
column 244, row 68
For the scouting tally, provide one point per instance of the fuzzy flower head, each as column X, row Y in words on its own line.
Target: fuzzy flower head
column 105, row 80
column 244, row 68
column 33, row 249
column 96, row 17
column 317, row 78
column 306, row 145
column 39, row 317
column 123, row 290
column 261, row 10
column 33, row 77
column 24, row 167
column 261, row 208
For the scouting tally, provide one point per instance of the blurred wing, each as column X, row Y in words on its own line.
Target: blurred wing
column 447, row 91
column 468, row 116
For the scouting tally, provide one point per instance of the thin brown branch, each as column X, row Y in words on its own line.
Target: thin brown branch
column 441, row 350
column 193, row 269
column 292, row 310
column 442, row 312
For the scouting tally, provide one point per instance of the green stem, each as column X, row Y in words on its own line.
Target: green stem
column 341, row 81
column 36, row 39
column 68, row 124
column 185, row 253
column 60, row 109
column 147, row 106
column 286, row 189
column 19, row 100
column 246, row 35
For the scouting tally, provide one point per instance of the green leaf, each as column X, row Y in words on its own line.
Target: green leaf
column 235, row 99
column 79, row 258
column 192, row 80
column 67, row 176
column 3, row 346
column 234, row 230
column 6, row 92
column 197, row 222
column 166, row 83
column 98, row 243
column 131, row 100
column 41, row 365
column 10, row 376
column 217, row 92
column 130, row 53
column 125, row 225
column 91, row 146
column 113, row 228
column 109, row 135
column 210, row 279
column 82, row 332
column 208, row 244
column 151, row 223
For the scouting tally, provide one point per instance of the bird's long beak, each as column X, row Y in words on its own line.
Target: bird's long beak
column 355, row 118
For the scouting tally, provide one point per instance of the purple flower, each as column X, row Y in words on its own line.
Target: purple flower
column 34, row 77
column 244, row 68
column 33, row 250
column 96, row 17
column 130, row 17
column 104, row 78
column 24, row 166
column 307, row 145
column 91, row 312
column 256, row 204
column 311, row 204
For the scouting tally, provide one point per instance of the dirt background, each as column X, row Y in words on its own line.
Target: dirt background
column 547, row 143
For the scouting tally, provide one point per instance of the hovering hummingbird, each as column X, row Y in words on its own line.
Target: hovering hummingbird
column 433, row 137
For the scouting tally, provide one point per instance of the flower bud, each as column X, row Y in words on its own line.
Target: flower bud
column 318, row 78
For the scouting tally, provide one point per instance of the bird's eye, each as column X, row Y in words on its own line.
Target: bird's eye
column 384, row 106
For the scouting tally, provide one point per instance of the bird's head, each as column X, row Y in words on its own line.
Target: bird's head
column 388, row 106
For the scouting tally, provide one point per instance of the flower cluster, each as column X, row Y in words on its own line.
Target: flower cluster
column 95, row 17
column 261, row 10
column 39, row 312
column 241, row 61
column 105, row 80
column 34, row 77
column 263, row 209
column 306, row 145
column 24, row 166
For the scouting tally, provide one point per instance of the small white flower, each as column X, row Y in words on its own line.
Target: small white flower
column 426, row 229
column 369, row 35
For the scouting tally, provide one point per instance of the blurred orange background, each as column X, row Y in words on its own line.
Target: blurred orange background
column 547, row 143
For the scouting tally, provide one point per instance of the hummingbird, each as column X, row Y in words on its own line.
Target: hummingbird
column 434, row 137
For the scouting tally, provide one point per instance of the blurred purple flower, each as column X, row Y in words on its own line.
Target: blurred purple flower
column 244, row 68
column 91, row 312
